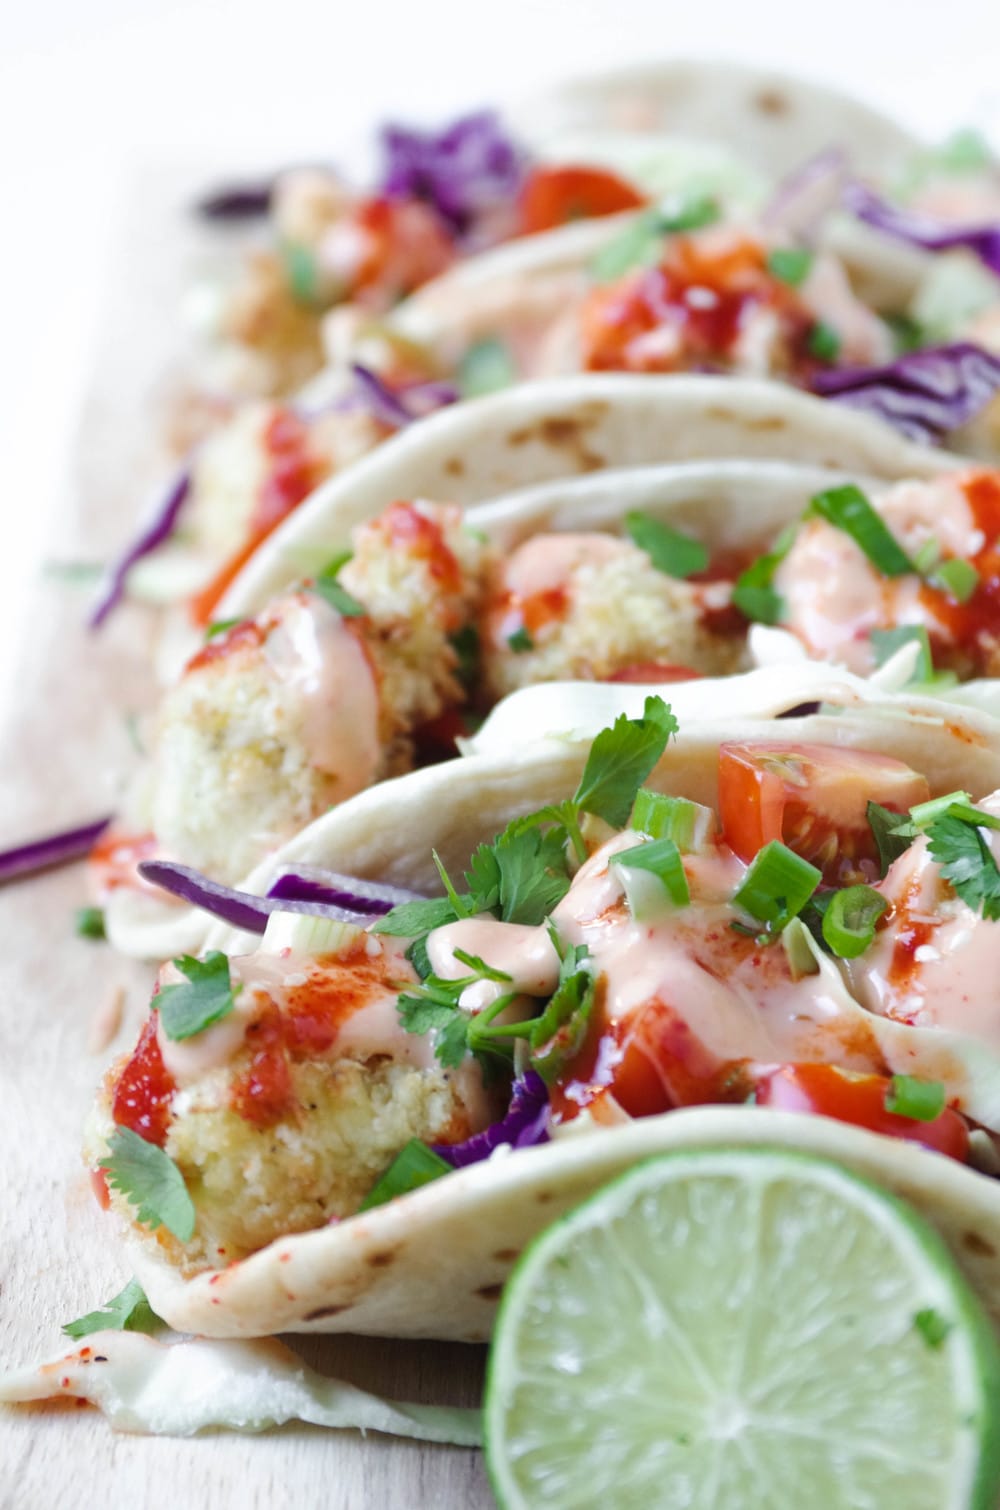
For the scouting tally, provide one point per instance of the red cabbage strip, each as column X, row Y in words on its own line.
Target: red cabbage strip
column 333, row 889
column 804, row 199
column 238, row 201
column 524, row 1126
column 923, row 230
column 242, row 909
column 923, row 394
column 159, row 528
column 464, row 171
column 397, row 408
column 56, row 849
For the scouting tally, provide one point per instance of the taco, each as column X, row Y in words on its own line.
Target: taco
column 799, row 912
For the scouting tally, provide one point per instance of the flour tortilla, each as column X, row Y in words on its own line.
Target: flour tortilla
column 538, row 432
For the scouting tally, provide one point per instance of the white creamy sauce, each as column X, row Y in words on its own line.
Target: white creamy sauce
column 313, row 651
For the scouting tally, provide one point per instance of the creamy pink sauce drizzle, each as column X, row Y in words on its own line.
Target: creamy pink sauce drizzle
column 834, row 597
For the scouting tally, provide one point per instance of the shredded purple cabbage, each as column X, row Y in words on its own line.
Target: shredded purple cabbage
column 464, row 171
column 237, row 201
column 401, row 407
column 310, row 883
column 923, row 394
column 922, row 230
column 160, row 526
column 524, row 1126
column 808, row 194
column 55, row 849
column 343, row 899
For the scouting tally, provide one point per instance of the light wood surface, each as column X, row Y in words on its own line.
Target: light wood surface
column 64, row 751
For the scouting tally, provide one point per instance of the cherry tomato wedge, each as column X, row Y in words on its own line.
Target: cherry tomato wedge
column 814, row 798
column 860, row 1100
column 553, row 196
column 655, row 671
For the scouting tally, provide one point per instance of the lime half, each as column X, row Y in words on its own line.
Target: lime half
column 742, row 1329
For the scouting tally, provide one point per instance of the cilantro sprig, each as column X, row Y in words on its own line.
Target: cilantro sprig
column 151, row 1182
column 204, row 998
column 128, row 1311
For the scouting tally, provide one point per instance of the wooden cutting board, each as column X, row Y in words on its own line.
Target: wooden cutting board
column 65, row 751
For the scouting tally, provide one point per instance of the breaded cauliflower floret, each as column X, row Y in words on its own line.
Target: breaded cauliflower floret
column 266, row 730
column 283, row 1115
column 589, row 606
column 421, row 577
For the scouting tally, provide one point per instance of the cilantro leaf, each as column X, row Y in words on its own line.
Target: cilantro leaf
column 523, row 874
column 465, row 643
column 520, row 641
column 670, row 551
column 129, row 1311
column 411, row 919
column 206, row 997
column 620, row 759
column 966, row 860
column 151, row 1182
column 413, row 1166
column 559, row 1032
column 433, row 1008
column 893, row 833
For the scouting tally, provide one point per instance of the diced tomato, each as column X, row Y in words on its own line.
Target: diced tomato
column 826, row 1091
column 814, row 798
column 553, row 196
column 655, row 671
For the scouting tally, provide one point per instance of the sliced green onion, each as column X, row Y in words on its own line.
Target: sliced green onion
column 753, row 594
column 927, row 557
column 486, row 367
column 688, row 824
column 796, row 941
column 301, row 273
column 824, row 342
column 336, row 563
column 923, row 1100
column 791, row 264
column 850, row 918
column 673, row 553
column 89, row 923
column 308, row 933
column 885, row 643
column 520, row 641
column 958, row 578
column 931, row 1325
column 848, row 509
column 653, row 875
column 414, row 1166
column 951, row 805
column 777, row 886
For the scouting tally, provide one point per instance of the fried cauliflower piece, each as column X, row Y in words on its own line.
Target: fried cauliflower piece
column 421, row 576
column 282, row 1116
column 588, row 607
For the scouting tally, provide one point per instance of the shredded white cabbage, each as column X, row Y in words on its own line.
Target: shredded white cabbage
column 178, row 1388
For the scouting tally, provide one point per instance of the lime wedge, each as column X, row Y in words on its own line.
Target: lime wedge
column 735, row 1329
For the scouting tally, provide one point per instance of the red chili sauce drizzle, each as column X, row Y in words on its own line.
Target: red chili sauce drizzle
column 973, row 627
column 145, row 1089
column 409, row 530
column 294, row 472
column 708, row 293
column 304, row 1027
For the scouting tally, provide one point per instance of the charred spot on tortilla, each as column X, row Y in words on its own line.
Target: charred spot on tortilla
column 507, row 1255
column 455, row 466
column 978, row 1245
column 490, row 1292
column 566, row 433
column 772, row 102
column 323, row 1312
column 383, row 1257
